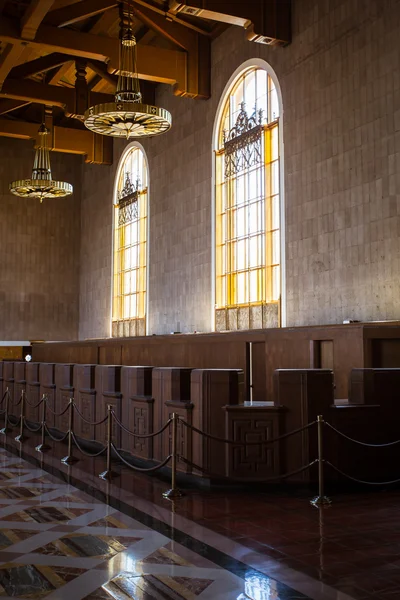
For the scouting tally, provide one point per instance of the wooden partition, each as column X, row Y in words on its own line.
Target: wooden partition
column 212, row 401
column 19, row 379
column 340, row 348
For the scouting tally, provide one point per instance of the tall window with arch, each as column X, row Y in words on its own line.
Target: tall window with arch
column 247, row 205
column 130, row 246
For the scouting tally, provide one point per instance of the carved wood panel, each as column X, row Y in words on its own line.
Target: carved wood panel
column 101, row 411
column 63, row 398
column 33, row 397
column 86, row 403
column 184, row 436
column 141, row 422
column 50, row 394
column 258, row 461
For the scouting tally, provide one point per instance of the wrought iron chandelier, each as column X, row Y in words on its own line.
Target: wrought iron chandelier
column 127, row 116
column 41, row 185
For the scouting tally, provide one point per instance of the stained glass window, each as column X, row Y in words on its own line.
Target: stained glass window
column 247, row 196
column 130, row 238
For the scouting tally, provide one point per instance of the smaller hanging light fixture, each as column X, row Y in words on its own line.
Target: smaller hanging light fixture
column 127, row 116
column 41, row 185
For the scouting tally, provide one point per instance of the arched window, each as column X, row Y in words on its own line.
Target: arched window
column 130, row 241
column 247, row 204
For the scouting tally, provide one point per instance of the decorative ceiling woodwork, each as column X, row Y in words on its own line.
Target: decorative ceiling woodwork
column 33, row 17
column 97, row 149
column 80, row 11
column 44, row 43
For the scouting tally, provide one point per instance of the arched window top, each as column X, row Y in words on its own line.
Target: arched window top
column 251, row 100
column 132, row 173
column 130, row 244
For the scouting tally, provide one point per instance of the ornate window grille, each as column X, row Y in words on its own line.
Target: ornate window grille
column 128, row 201
column 243, row 143
column 248, row 285
column 130, row 242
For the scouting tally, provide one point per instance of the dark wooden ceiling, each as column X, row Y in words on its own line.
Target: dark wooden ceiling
column 44, row 43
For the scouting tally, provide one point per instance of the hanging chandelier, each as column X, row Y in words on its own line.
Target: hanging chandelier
column 41, row 185
column 127, row 116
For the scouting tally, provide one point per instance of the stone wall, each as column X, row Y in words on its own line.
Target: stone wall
column 340, row 85
column 39, row 251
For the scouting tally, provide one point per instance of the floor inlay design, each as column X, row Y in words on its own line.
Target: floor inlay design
column 80, row 544
column 58, row 542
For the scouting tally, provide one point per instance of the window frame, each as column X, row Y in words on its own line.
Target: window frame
column 121, row 164
column 253, row 63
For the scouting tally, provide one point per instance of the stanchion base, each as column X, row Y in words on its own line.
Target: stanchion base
column 319, row 501
column 107, row 475
column 171, row 494
column 42, row 448
column 5, row 430
column 21, row 438
column 69, row 460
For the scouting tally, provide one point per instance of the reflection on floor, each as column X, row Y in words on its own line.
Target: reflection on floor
column 58, row 542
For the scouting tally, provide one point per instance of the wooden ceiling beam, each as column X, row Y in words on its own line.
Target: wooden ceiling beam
column 101, row 70
column 52, row 95
column 97, row 149
column 197, row 47
column 39, row 65
column 173, row 32
column 265, row 21
column 8, row 58
column 7, row 106
column 33, row 17
column 32, row 91
column 154, row 64
column 55, row 78
column 79, row 11
column 172, row 17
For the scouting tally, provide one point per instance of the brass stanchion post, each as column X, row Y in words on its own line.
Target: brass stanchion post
column 70, row 459
column 108, row 473
column 43, row 446
column 321, row 499
column 174, row 492
column 20, row 438
column 6, row 429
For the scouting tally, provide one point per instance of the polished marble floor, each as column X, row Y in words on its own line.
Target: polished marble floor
column 64, row 533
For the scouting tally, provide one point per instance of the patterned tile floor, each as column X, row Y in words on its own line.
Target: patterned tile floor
column 64, row 533
column 58, row 542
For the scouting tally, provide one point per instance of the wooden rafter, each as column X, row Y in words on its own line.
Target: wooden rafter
column 8, row 58
column 101, row 70
column 78, row 12
column 172, row 17
column 33, row 17
column 54, row 78
column 7, row 106
column 154, row 64
column 266, row 21
column 96, row 148
column 39, row 65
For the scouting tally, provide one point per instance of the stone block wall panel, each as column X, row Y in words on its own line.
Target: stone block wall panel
column 39, row 244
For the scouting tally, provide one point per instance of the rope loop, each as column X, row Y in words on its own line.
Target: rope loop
column 261, row 442
column 140, row 435
column 77, row 444
column 149, row 470
column 94, row 423
column 343, row 435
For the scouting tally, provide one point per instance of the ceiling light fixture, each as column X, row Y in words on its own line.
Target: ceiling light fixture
column 41, row 185
column 127, row 116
